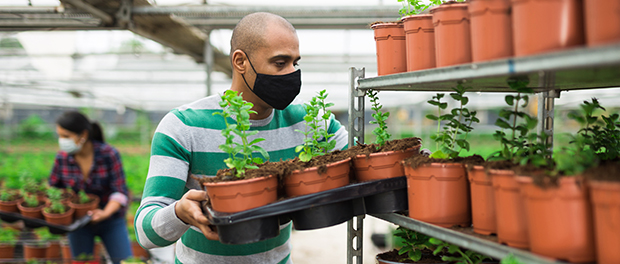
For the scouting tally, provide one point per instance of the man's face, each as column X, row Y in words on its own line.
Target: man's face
column 279, row 55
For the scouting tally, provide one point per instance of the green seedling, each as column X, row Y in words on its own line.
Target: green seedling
column 413, row 243
column 381, row 133
column 511, row 259
column 83, row 198
column 316, row 137
column 414, row 7
column 240, row 155
column 464, row 257
column 452, row 139
column 55, row 196
column 31, row 200
column 520, row 146
column 8, row 235
column 602, row 135
column 8, row 195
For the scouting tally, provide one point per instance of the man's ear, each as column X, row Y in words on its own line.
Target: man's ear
column 239, row 60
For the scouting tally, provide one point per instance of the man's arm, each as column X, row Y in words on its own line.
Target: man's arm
column 166, row 210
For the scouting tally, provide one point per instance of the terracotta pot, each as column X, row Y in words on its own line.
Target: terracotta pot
column 60, row 219
column 452, row 34
column 491, row 29
column 10, row 206
column 546, row 25
column 605, row 198
column 509, row 209
column 36, row 250
column 54, row 250
column 311, row 181
column 482, row 201
column 438, row 193
column 420, row 42
column 602, row 21
column 139, row 251
column 381, row 165
column 7, row 251
column 65, row 248
column 82, row 209
column 32, row 212
column 559, row 219
column 390, row 41
column 240, row 195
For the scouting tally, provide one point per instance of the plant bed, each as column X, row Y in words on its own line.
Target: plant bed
column 312, row 211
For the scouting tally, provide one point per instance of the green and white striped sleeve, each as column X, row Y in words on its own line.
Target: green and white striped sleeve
column 156, row 223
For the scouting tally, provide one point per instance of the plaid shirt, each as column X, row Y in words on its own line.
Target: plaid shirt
column 106, row 176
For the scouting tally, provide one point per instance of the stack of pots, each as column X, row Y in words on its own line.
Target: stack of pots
column 482, row 30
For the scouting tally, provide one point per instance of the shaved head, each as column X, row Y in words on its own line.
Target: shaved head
column 249, row 33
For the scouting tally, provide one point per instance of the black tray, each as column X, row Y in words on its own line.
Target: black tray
column 311, row 211
column 30, row 222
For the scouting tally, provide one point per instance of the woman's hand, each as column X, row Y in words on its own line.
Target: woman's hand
column 97, row 215
column 188, row 210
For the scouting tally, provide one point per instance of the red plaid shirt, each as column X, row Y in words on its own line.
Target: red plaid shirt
column 105, row 178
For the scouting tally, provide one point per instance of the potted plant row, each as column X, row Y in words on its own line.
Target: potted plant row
column 489, row 29
column 54, row 205
column 317, row 168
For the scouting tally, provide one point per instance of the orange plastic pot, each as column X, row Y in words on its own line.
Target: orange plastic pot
column 420, row 42
column 65, row 218
column 559, row 219
column 10, row 206
column 390, row 41
column 37, row 250
column 482, row 201
column 602, row 21
column 381, row 165
column 7, row 251
column 546, row 25
column 438, row 193
column 491, row 29
column 605, row 198
column 82, row 209
column 32, row 212
column 509, row 209
column 311, row 180
column 452, row 34
column 53, row 251
column 240, row 195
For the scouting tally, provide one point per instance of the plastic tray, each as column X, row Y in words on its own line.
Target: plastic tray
column 311, row 211
column 35, row 222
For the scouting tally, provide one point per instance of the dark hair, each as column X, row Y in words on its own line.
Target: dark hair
column 76, row 122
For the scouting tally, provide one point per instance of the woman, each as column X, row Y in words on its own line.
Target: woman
column 85, row 162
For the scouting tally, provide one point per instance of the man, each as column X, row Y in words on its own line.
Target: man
column 264, row 55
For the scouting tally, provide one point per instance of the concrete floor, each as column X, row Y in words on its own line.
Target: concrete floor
column 329, row 245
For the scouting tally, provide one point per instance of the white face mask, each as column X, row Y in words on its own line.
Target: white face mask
column 68, row 145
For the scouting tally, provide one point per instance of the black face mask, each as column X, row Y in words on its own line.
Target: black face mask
column 278, row 91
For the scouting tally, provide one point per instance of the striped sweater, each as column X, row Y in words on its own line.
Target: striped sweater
column 186, row 142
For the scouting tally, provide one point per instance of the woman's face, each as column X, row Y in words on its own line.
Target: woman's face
column 64, row 133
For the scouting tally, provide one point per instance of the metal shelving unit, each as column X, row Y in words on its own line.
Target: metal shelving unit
column 549, row 74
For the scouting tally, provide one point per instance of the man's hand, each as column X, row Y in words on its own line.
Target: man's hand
column 188, row 210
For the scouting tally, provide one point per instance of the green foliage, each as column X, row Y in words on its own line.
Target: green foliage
column 44, row 234
column 312, row 147
column 83, row 198
column 34, row 127
column 7, row 195
column 31, row 200
column 511, row 259
column 381, row 133
column 600, row 133
column 521, row 147
column 8, row 235
column 240, row 157
column 467, row 257
column 414, row 7
column 56, row 207
column 453, row 138
column 84, row 257
column 413, row 243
